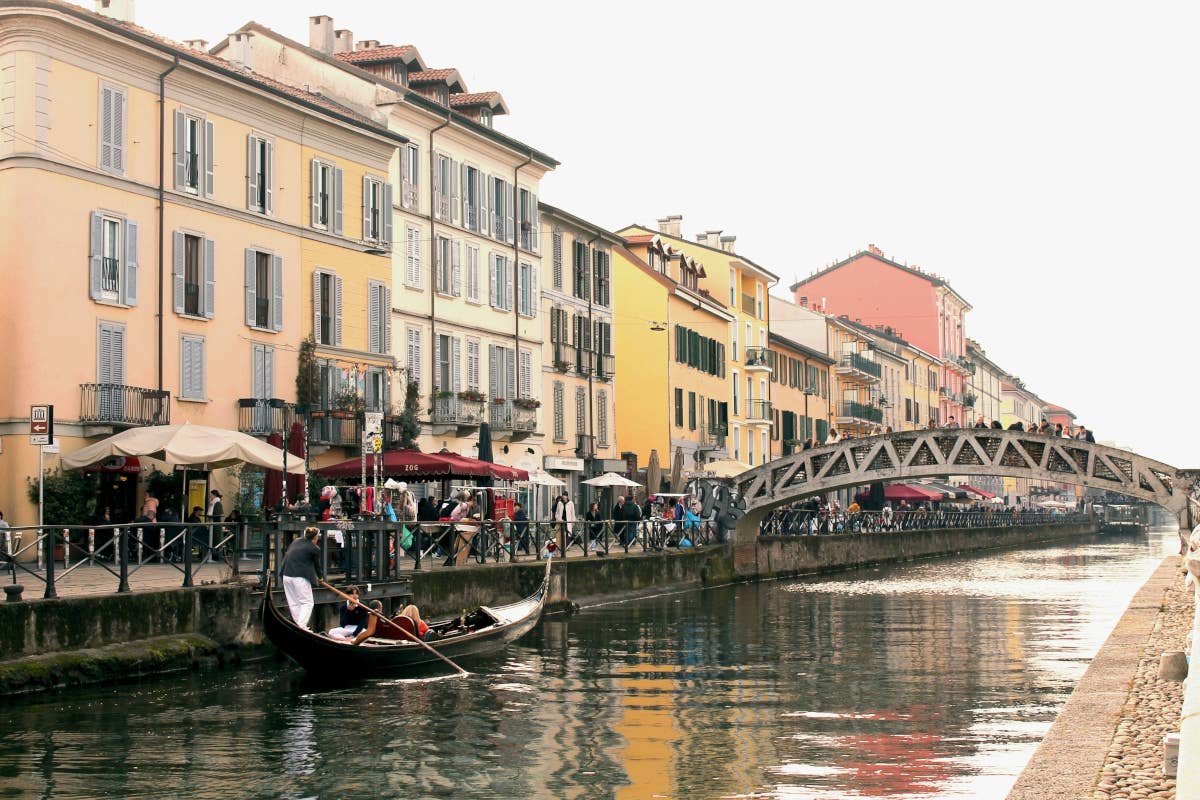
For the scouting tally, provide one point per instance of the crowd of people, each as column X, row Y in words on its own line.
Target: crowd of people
column 1045, row 428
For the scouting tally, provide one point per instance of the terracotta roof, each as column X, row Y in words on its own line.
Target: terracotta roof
column 644, row 238
column 433, row 76
column 475, row 99
column 935, row 280
column 391, row 52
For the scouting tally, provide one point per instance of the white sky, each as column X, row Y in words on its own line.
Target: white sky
column 1040, row 156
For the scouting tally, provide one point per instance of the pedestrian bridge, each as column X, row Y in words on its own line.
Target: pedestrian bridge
column 960, row 451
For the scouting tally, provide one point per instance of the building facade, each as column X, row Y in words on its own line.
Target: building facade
column 799, row 394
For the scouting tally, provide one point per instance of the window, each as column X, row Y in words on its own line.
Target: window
column 444, row 266
column 473, row 364
column 262, row 378
column 193, row 275
column 502, row 372
column 502, row 211
column 758, row 300
column 581, row 411
column 582, row 270
column 193, row 154
column 379, row 316
column 736, row 405
column 706, row 355
column 733, row 329
column 260, row 174
column 445, row 187
column 400, row 74
column 474, row 204
column 443, row 363
column 560, row 432
column 908, row 409
column 442, row 95
column 485, row 116
column 412, row 258
column 326, row 197
column 375, row 389
column 736, row 435
column 264, row 290
column 766, row 453
column 733, row 288
column 556, row 250
column 602, row 418
column 527, row 290
column 327, row 308
column 525, row 373
column 112, row 259
column 601, row 277
column 750, row 447
column 112, row 129
column 679, row 408
column 473, row 273
column 691, row 409
column 527, row 208
column 377, row 210
column 413, row 356
column 689, row 276
column 191, row 367
column 916, row 412
column 500, row 283
column 410, row 171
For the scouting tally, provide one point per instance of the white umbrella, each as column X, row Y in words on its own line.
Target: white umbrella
column 610, row 479
column 186, row 445
column 724, row 468
column 544, row 479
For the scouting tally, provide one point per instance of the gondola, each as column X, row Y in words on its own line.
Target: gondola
column 486, row 629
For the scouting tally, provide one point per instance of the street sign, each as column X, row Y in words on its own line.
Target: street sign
column 52, row 448
column 373, row 422
column 39, row 438
column 39, row 420
column 371, row 444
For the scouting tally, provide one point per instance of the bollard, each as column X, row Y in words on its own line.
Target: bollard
column 1172, row 666
column 13, row 590
column 49, row 543
column 122, row 553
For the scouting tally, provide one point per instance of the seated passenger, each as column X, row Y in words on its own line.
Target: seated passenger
column 352, row 617
column 413, row 613
column 373, row 623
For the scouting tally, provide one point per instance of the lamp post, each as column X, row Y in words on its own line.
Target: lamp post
column 807, row 393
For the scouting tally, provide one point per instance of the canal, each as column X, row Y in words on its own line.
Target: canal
column 932, row 679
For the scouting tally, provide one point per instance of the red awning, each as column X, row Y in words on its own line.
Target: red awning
column 908, row 491
column 116, row 464
column 413, row 465
column 984, row 494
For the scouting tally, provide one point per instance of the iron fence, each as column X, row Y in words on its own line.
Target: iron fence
column 793, row 522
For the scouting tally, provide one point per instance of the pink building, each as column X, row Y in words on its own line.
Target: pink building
column 869, row 287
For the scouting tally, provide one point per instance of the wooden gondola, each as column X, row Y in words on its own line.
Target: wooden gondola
column 486, row 629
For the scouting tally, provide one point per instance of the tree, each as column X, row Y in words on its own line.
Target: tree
column 410, row 424
column 307, row 375
column 69, row 497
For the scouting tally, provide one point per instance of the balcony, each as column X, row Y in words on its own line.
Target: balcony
column 117, row 404
column 853, row 414
column 968, row 400
column 529, row 236
column 749, row 306
column 260, row 416
column 335, row 428
column 712, row 436
column 760, row 412
column 586, row 447
column 758, row 359
column 860, row 368
column 508, row 418
column 453, row 410
column 605, row 364
column 566, row 356
column 586, row 362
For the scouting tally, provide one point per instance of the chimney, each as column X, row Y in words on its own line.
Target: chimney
column 710, row 238
column 804, row 301
column 120, row 10
column 875, row 250
column 727, row 243
column 196, row 44
column 367, row 44
column 238, row 51
column 320, row 33
column 671, row 226
column 343, row 41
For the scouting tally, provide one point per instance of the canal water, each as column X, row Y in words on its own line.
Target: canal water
column 933, row 679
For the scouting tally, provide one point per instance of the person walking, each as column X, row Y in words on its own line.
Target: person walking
column 301, row 569
column 632, row 515
column 952, row 422
column 618, row 517
column 563, row 514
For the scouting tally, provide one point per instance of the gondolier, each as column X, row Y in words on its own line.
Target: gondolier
column 301, row 569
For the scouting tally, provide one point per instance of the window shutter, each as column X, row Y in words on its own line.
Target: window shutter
column 439, row 192
column 456, row 365
column 208, row 159
column 258, row 372
column 472, row 365
column 337, row 335
column 373, row 317
column 177, row 267
column 118, row 130
column 180, row 150
column 510, row 364
column 131, row 258
column 337, row 201
column 269, row 176
column 406, row 177
column 456, row 268
column 494, row 382
column 554, row 325
column 198, row 368
column 386, row 211
column 316, row 301
column 276, row 293
column 251, row 289
column 185, row 368
column 387, row 319
column 556, row 256
column 412, row 274
column 509, row 204
column 437, row 362
column 366, row 208
column 106, row 128
column 526, row 374
column 252, row 167
column 493, row 281
column 481, row 186
column 95, row 254
column 533, row 292
column 315, row 192
column 455, row 203
column 210, row 278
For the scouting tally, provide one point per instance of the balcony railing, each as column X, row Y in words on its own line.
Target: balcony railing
column 605, row 364
column 860, row 411
column 759, row 411
column 335, row 428
column 529, row 236
column 566, row 356
column 586, row 446
column 504, row 416
column 968, row 400
column 856, row 363
column 456, row 411
column 749, row 306
column 712, row 436
column 110, row 275
column 758, row 358
column 586, row 362
column 117, row 404
column 259, row 416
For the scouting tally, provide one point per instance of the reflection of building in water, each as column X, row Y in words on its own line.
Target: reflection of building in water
column 647, row 722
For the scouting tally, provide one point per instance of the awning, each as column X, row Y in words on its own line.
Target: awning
column 413, row 465
column 984, row 494
column 116, row 464
column 950, row 492
column 906, row 491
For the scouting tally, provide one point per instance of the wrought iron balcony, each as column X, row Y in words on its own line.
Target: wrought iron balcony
column 968, row 400
column 712, row 436
column 529, row 236
column 758, row 359
column 605, row 364
column 851, row 412
column 505, row 416
column 454, row 410
column 856, row 365
column 335, row 428
column 759, row 412
column 259, row 416
column 117, row 404
column 566, row 356
column 586, row 363
column 586, row 447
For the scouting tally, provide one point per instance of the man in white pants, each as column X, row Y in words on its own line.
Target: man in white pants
column 301, row 568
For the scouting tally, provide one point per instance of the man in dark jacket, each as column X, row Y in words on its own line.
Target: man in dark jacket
column 301, row 568
column 631, row 514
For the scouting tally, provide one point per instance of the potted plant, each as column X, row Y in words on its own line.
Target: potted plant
column 499, row 401
column 472, row 395
column 527, row 403
column 347, row 403
column 562, row 365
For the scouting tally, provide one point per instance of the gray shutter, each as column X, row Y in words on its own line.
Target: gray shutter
column 268, row 371
column 455, row 203
column 177, row 269
column 95, row 254
column 259, row 372
column 510, row 229
column 493, row 282
column 106, row 128
column 386, row 220
column 534, row 300
column 269, row 176
column 510, row 377
column 366, row 207
column 373, row 317
column 494, row 383
column 314, row 191
column 481, row 193
column 405, row 176
column 118, row 130
column 251, row 289
column 316, row 301
column 456, row 365
column 456, row 268
column 437, row 363
column 387, row 319
column 435, row 167
column 464, row 200
column 131, row 258
column 210, row 278
column 337, row 201
column 198, row 367
column 208, row 159
column 276, row 293
column 337, row 326
column 185, row 368
column 180, row 150
column 252, row 173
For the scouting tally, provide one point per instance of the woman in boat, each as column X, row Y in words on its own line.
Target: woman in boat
column 414, row 614
column 352, row 617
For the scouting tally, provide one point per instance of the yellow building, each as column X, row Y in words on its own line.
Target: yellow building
column 799, row 393
column 192, row 309
column 672, row 345
column 741, row 288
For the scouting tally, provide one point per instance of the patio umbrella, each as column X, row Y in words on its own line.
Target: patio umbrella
column 273, row 479
column 539, row 478
column 653, row 474
column 725, row 468
column 485, row 454
column 413, row 465
column 611, row 479
column 297, row 483
column 186, row 445
column 677, row 471
column 906, row 491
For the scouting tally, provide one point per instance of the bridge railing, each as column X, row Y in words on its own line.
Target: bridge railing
column 802, row 522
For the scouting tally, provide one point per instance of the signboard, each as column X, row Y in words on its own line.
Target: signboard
column 373, row 422
column 564, row 464
column 372, row 443
column 41, row 424
column 51, row 448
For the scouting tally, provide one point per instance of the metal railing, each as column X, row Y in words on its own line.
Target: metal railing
column 110, row 274
column 791, row 522
column 586, row 445
column 259, row 416
column 456, row 411
column 566, row 356
column 759, row 411
column 117, row 404
column 861, row 411
column 860, row 363
column 758, row 357
column 605, row 366
column 335, row 428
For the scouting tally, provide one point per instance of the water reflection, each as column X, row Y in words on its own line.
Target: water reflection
column 926, row 680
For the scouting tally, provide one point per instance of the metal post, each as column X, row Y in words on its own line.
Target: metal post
column 122, row 555
column 187, row 559
column 49, row 541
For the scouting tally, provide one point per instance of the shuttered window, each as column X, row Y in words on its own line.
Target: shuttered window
column 379, row 315
column 580, row 411
column 473, row 364
column 376, row 210
column 113, row 259
column 556, row 255
column 501, row 199
column 413, row 356
column 112, row 129
column 527, row 219
column 410, row 171
column 473, row 189
column 527, row 290
column 193, row 154
column 264, row 292
column 525, row 373
column 581, row 270
column 500, row 288
column 600, row 277
column 473, row 273
column 327, row 308
column 679, row 408
column 260, row 174
column 602, row 418
column 502, row 372
column 560, row 430
column 412, row 257
column 263, row 371
column 191, row 367
column 325, row 194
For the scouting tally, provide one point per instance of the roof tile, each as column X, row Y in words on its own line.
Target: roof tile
column 391, row 52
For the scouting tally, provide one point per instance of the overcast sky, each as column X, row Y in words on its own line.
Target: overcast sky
column 1042, row 157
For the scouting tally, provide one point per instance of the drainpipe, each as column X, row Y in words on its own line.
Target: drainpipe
column 433, row 261
column 162, row 154
column 591, row 411
column 517, row 258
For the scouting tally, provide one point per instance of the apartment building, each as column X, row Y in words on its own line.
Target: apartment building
column 466, row 318
column 799, row 394
column 984, row 384
column 174, row 290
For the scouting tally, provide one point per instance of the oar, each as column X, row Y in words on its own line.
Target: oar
column 414, row 638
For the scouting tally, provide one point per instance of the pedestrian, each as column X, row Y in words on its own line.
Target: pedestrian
column 833, row 437
column 1058, row 429
column 980, row 423
column 952, row 422
column 563, row 515
column 216, row 511
column 5, row 537
column 632, row 515
column 520, row 528
column 301, row 569
column 1087, row 435
column 150, row 504
column 996, row 426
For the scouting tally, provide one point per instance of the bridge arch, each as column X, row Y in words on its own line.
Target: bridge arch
column 958, row 451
